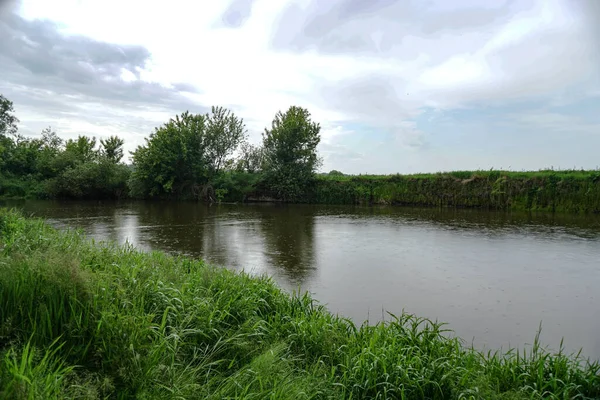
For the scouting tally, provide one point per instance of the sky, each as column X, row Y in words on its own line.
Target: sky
column 398, row 86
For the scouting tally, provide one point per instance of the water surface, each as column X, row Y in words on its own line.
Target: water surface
column 492, row 276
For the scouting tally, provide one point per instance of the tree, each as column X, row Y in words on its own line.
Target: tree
column 8, row 122
column 21, row 157
column 51, row 141
column 83, row 149
column 250, row 159
column 8, row 128
column 290, row 153
column 224, row 133
column 51, row 147
column 184, row 156
column 173, row 160
column 112, row 148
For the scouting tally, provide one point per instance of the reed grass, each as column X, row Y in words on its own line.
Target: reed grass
column 575, row 191
column 85, row 320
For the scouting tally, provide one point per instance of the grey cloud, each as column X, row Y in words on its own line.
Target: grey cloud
column 533, row 72
column 368, row 27
column 464, row 20
column 237, row 13
column 338, row 156
column 352, row 8
column 48, row 73
column 373, row 99
column 327, row 27
column 7, row 5
column 590, row 10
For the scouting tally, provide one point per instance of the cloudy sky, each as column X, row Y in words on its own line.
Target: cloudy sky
column 397, row 85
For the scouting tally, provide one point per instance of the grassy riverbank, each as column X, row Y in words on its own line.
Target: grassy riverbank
column 84, row 320
column 563, row 191
column 553, row 191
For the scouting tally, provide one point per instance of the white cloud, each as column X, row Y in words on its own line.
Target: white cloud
column 367, row 65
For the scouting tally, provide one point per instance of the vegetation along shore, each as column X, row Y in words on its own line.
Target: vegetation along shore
column 85, row 320
column 207, row 157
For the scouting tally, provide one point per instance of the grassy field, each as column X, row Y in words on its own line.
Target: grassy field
column 564, row 191
column 83, row 320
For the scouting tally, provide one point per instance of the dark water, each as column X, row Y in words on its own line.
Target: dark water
column 492, row 276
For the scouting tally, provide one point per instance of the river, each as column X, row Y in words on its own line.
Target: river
column 493, row 277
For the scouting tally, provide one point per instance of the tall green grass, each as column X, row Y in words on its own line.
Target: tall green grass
column 547, row 190
column 83, row 320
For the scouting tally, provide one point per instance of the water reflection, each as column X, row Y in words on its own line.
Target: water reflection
column 492, row 276
column 288, row 234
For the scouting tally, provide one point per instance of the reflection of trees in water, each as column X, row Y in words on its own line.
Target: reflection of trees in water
column 278, row 239
column 227, row 235
column 174, row 227
column 289, row 237
column 213, row 233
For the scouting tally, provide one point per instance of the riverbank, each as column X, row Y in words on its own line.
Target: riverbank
column 549, row 191
column 554, row 191
column 85, row 320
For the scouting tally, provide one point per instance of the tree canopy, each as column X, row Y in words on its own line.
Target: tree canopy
column 8, row 121
column 112, row 148
column 48, row 166
column 181, row 158
column 205, row 156
column 290, row 153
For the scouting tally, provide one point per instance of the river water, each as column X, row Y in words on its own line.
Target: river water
column 493, row 277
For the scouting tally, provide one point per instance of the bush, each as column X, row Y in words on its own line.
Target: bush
column 236, row 185
column 102, row 180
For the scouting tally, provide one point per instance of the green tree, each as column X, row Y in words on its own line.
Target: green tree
column 8, row 121
column 183, row 157
column 173, row 161
column 250, row 159
column 224, row 133
column 112, row 148
column 22, row 155
column 83, row 149
column 51, row 141
column 8, row 128
column 290, row 153
column 51, row 148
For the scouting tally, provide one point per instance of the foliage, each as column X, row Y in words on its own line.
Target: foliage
column 83, row 150
column 173, row 161
column 112, row 148
column 250, row 159
column 236, row 185
column 193, row 156
column 8, row 121
column 48, row 167
column 8, row 128
column 571, row 191
column 290, row 153
column 224, row 133
column 100, row 180
column 94, row 321
column 182, row 158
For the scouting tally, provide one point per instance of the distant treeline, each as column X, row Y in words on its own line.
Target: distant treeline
column 207, row 157
column 191, row 157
